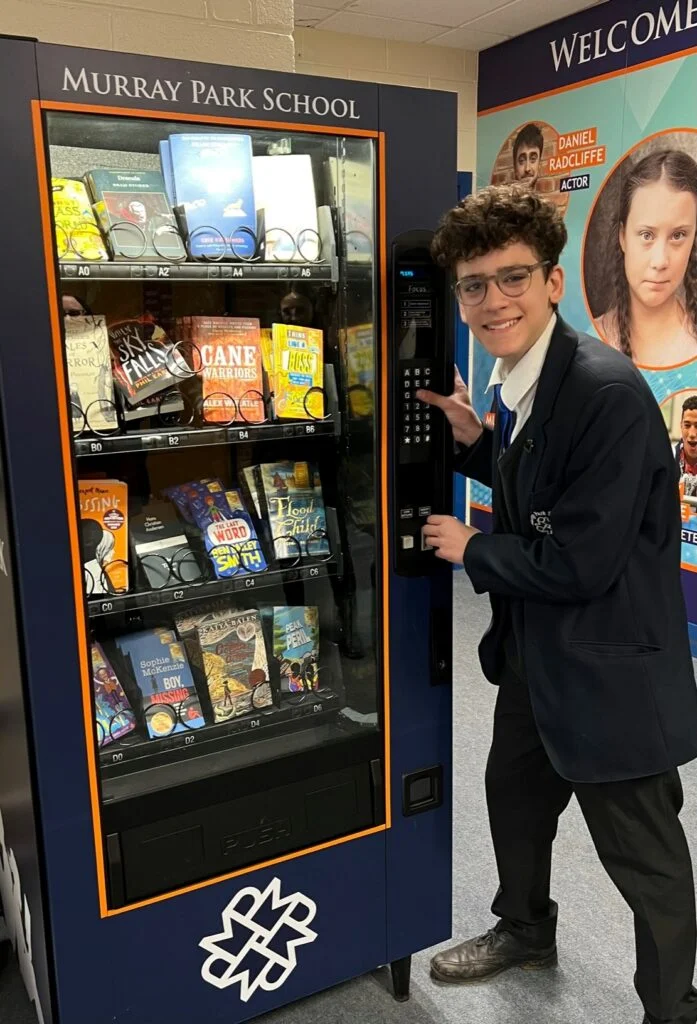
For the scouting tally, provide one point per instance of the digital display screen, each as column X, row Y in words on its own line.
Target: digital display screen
column 415, row 309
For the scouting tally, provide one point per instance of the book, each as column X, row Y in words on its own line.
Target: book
column 114, row 717
column 266, row 341
column 292, row 495
column 135, row 214
column 284, row 188
column 188, row 621
column 358, row 345
column 229, row 535
column 163, row 675
column 236, row 664
column 77, row 235
column 232, row 369
column 167, row 173
column 296, row 647
column 89, row 374
column 214, row 187
column 250, row 479
column 160, row 547
column 142, row 361
column 351, row 187
column 104, row 535
column 298, row 367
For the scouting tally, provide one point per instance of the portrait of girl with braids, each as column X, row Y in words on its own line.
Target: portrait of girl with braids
column 653, row 316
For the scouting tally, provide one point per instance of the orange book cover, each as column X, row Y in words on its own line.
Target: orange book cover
column 104, row 535
column 231, row 368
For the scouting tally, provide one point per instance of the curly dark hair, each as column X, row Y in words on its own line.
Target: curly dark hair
column 690, row 404
column 496, row 217
column 679, row 171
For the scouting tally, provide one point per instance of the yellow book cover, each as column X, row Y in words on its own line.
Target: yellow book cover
column 104, row 535
column 358, row 343
column 298, row 367
column 266, row 340
column 77, row 234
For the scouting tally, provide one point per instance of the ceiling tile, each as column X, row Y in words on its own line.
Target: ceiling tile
column 335, row 5
column 449, row 13
column 468, row 39
column 310, row 17
column 523, row 15
column 380, row 28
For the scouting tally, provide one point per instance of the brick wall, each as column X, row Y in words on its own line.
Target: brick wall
column 248, row 33
column 334, row 54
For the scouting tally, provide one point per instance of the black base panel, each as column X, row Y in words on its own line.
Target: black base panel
column 220, row 838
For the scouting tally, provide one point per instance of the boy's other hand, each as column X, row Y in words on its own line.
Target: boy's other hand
column 466, row 425
column 448, row 537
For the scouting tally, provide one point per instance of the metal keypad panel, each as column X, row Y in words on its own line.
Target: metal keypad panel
column 415, row 415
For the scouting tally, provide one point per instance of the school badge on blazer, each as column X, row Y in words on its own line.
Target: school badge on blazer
column 542, row 521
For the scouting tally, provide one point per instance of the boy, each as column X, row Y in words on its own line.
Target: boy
column 527, row 154
column 588, row 642
column 686, row 448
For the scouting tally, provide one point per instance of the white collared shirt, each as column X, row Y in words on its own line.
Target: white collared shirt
column 519, row 384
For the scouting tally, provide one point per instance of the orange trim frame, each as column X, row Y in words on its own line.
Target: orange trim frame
column 37, row 109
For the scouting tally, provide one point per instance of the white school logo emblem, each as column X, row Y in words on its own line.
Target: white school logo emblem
column 542, row 521
column 269, row 946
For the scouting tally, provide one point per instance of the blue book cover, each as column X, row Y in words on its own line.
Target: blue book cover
column 296, row 647
column 296, row 514
column 170, row 701
column 167, row 173
column 214, row 185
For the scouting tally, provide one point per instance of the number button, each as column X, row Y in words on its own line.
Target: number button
column 407, row 406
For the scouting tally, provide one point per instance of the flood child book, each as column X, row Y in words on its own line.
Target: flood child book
column 235, row 661
column 292, row 493
column 232, row 369
column 143, row 363
column 212, row 180
column 104, row 535
column 113, row 715
column 298, row 372
column 228, row 532
column 296, row 648
column 89, row 374
column 163, row 675
column 135, row 215
column 77, row 234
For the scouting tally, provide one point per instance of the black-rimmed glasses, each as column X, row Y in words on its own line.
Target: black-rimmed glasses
column 511, row 282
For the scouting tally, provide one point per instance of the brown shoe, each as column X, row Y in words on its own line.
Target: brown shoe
column 486, row 956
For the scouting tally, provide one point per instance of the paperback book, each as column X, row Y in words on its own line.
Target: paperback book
column 77, row 236
column 114, row 717
column 212, row 180
column 160, row 548
column 89, row 374
column 296, row 647
column 104, row 535
column 142, row 361
column 284, row 188
column 298, row 372
column 232, row 369
column 135, row 215
column 163, row 675
column 292, row 494
column 235, row 662
column 229, row 535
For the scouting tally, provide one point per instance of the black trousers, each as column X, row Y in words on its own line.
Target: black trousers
column 638, row 836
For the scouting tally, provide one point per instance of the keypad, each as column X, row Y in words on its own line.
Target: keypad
column 415, row 415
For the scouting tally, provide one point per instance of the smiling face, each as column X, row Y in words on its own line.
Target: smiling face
column 527, row 164
column 509, row 327
column 657, row 241
column 688, row 429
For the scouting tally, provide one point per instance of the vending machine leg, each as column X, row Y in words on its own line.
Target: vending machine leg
column 401, row 973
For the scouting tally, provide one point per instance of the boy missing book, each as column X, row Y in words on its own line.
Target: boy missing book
column 588, row 644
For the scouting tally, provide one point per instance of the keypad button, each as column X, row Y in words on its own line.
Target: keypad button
column 407, row 372
column 417, row 428
column 417, row 440
column 407, row 395
column 417, row 417
column 406, row 406
column 407, row 440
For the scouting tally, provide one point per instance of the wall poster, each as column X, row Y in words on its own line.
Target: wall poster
column 597, row 111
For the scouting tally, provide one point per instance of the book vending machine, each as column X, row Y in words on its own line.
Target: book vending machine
column 225, row 722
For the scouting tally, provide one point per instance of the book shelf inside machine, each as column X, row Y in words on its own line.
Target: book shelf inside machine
column 218, row 308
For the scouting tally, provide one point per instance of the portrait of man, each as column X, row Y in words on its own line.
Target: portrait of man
column 527, row 154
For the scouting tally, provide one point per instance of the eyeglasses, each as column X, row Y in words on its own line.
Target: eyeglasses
column 510, row 281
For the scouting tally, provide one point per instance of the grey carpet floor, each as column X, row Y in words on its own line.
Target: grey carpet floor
column 593, row 983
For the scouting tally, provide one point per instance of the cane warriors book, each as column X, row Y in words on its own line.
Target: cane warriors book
column 298, row 372
column 232, row 368
column 163, row 676
column 236, row 665
column 104, row 535
column 113, row 714
column 296, row 647
column 89, row 374
column 77, row 235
